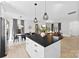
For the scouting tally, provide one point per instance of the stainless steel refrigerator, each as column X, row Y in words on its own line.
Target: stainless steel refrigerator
column 2, row 37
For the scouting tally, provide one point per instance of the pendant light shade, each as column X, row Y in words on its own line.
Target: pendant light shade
column 35, row 19
column 45, row 16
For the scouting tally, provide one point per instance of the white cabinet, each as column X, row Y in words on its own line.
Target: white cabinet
column 36, row 50
column 53, row 50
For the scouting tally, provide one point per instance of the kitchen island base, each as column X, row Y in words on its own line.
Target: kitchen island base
column 36, row 50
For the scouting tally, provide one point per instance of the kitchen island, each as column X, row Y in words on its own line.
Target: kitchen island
column 39, row 47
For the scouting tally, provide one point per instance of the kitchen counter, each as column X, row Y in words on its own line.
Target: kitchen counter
column 41, row 47
column 40, row 40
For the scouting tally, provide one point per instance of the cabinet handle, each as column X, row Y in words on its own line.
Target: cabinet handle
column 35, row 50
column 35, row 45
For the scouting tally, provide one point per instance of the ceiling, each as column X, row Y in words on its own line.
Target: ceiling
column 55, row 9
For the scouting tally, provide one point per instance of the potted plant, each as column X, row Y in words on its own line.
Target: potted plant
column 43, row 30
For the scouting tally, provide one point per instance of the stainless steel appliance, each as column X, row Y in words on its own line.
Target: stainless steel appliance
column 2, row 37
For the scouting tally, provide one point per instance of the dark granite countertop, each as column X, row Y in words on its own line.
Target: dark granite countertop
column 40, row 40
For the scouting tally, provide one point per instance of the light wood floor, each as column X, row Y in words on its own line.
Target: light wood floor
column 17, row 51
column 69, row 49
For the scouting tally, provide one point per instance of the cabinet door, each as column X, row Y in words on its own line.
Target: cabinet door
column 53, row 50
column 38, row 50
column 29, row 47
column 34, row 49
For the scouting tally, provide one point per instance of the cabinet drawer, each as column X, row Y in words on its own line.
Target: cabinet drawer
column 38, row 50
column 34, row 49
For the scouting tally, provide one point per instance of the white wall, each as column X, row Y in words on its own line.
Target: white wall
column 74, row 28
column 57, row 11
column 0, row 9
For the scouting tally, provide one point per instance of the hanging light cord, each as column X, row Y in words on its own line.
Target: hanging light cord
column 35, row 8
column 35, row 19
column 45, row 5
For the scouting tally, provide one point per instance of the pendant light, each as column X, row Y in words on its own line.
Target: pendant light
column 45, row 16
column 35, row 19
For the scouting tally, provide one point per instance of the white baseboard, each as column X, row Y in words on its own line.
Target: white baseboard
column 67, row 35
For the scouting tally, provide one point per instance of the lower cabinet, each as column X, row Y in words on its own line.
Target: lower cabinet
column 35, row 50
